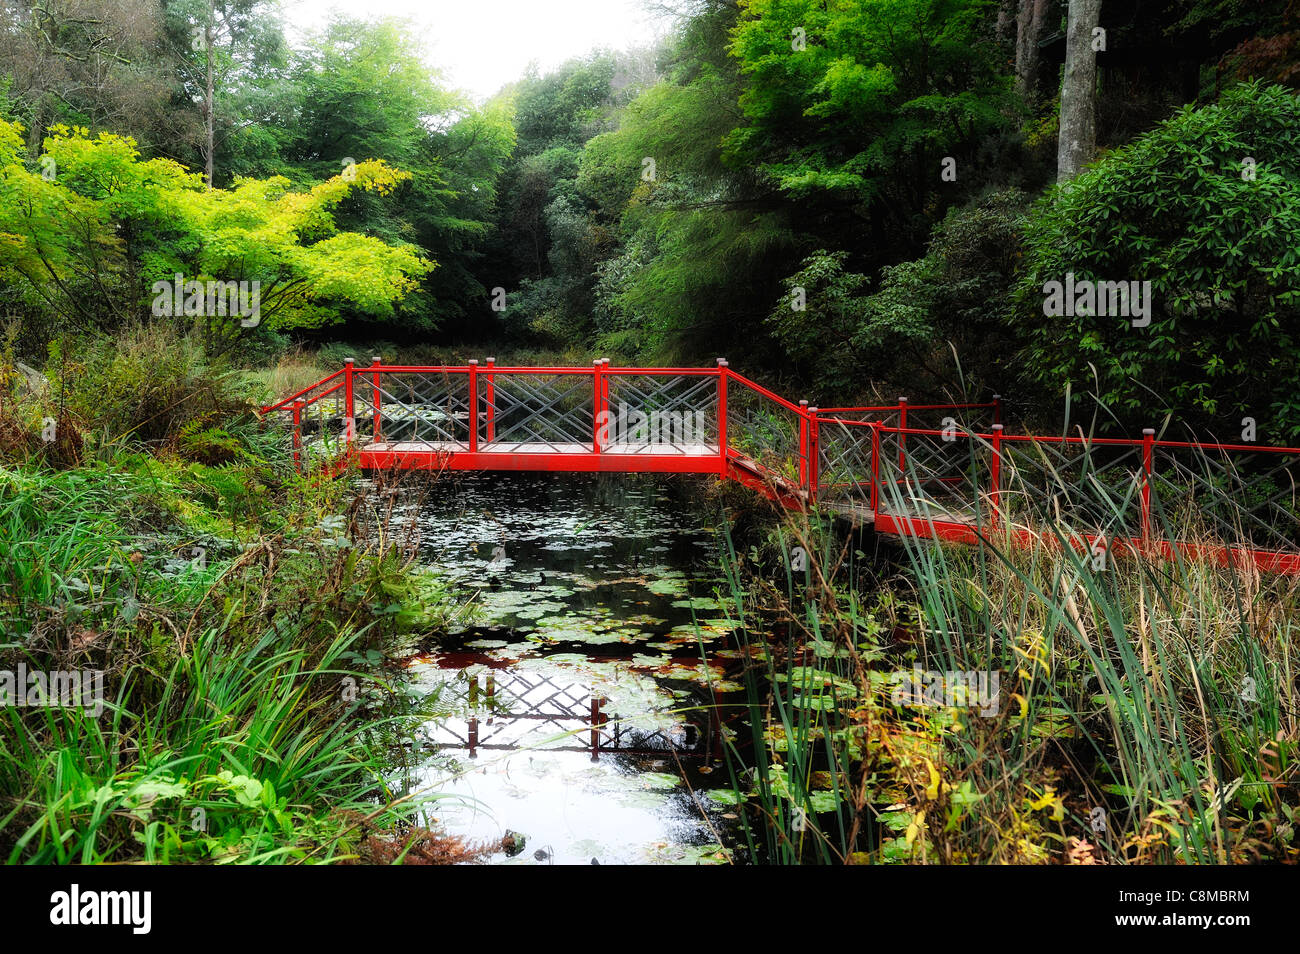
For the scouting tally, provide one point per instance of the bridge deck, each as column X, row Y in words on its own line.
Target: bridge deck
column 542, row 447
column 571, row 457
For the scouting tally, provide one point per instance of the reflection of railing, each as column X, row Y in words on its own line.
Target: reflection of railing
column 506, row 710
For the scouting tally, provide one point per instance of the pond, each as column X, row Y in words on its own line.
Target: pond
column 582, row 714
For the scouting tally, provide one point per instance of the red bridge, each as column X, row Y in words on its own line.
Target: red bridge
column 957, row 476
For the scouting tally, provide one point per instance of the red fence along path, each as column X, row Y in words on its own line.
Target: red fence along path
column 945, row 471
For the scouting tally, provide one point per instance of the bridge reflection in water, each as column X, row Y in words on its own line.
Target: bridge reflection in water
column 582, row 758
column 501, row 709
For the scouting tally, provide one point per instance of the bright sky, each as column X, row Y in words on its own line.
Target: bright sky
column 480, row 45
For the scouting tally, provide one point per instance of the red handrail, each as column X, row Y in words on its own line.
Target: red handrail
column 288, row 402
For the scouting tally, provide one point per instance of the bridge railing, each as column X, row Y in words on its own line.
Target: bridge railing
column 536, row 410
column 664, row 410
column 926, row 470
column 660, row 412
column 420, row 408
column 318, row 417
column 1229, row 492
column 1226, row 502
column 845, row 446
column 767, row 432
column 488, row 408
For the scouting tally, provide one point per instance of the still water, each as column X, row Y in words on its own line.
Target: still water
column 582, row 714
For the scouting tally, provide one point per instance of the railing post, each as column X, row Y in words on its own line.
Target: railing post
column 491, row 409
column 604, row 382
column 1148, row 469
column 995, row 472
column 814, row 450
column 875, row 469
column 599, row 403
column 473, row 405
column 997, row 409
column 374, row 367
column 803, row 445
column 349, row 405
column 902, row 437
column 297, row 435
column 722, row 416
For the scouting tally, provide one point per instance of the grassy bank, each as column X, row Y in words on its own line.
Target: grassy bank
column 1143, row 711
column 151, row 530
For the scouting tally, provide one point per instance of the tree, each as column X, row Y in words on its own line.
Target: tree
column 83, row 61
column 852, row 108
column 957, row 297
column 1207, row 208
column 222, row 49
column 363, row 89
column 88, row 245
column 1077, row 144
column 1032, row 20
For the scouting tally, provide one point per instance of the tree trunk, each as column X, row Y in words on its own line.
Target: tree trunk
column 1031, row 24
column 1078, row 138
column 209, row 112
column 36, row 134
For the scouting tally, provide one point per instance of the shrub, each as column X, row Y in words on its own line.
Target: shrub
column 144, row 382
column 1218, row 238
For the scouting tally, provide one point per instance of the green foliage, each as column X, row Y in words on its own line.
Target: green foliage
column 694, row 287
column 146, row 382
column 819, row 319
column 1180, row 208
column 109, row 226
column 879, row 93
column 362, row 88
column 957, row 297
column 237, row 624
column 243, row 41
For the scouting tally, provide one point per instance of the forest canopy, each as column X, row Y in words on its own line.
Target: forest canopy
column 857, row 195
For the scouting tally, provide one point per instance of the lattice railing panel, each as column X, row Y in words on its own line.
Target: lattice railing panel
column 843, row 462
column 764, row 431
column 1252, row 498
column 663, row 413
column 933, row 476
column 414, row 407
column 1079, row 486
column 323, row 414
column 554, row 411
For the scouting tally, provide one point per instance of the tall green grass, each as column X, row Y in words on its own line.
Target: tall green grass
column 239, row 614
column 1148, row 707
column 246, row 755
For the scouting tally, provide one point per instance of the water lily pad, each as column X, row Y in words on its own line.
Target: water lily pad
column 699, row 603
column 725, row 796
